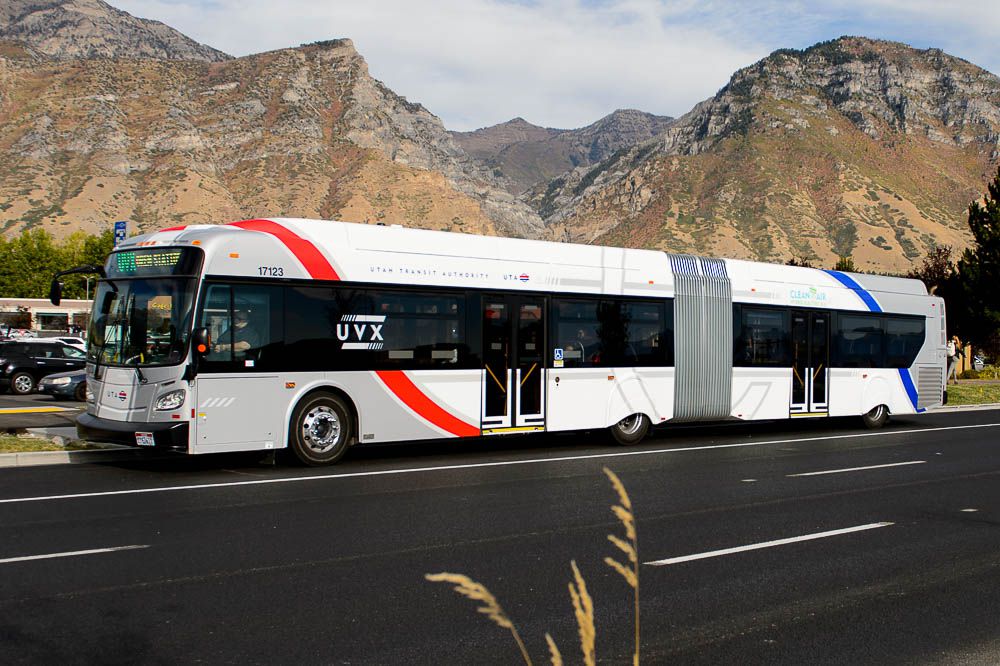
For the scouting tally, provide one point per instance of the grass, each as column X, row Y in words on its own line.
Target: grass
column 27, row 444
column 973, row 392
column 582, row 602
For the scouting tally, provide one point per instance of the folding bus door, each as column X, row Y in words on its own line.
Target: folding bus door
column 810, row 361
column 513, row 387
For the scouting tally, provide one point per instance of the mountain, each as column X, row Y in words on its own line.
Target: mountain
column 851, row 147
column 303, row 132
column 91, row 28
column 526, row 154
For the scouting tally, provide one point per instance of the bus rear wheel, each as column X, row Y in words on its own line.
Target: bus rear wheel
column 876, row 418
column 321, row 430
column 630, row 430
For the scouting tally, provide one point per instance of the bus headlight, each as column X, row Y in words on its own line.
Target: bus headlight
column 169, row 401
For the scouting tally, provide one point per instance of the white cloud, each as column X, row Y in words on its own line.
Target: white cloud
column 566, row 63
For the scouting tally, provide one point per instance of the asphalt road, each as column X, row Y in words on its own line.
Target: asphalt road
column 36, row 410
column 224, row 560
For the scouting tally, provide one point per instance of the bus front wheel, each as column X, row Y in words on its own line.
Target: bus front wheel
column 630, row 430
column 876, row 418
column 321, row 429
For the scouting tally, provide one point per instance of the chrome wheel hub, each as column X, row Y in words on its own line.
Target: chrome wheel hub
column 321, row 429
column 630, row 424
column 22, row 384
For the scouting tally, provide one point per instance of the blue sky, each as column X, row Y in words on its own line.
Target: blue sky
column 566, row 63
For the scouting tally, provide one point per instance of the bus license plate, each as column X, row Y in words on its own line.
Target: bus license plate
column 144, row 439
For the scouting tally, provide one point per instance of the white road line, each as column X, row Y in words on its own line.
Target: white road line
column 505, row 463
column 766, row 544
column 72, row 553
column 857, row 469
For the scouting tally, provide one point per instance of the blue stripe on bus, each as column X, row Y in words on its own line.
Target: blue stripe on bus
column 869, row 300
column 850, row 283
column 911, row 390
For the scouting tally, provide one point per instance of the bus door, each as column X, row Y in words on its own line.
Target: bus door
column 513, row 384
column 810, row 361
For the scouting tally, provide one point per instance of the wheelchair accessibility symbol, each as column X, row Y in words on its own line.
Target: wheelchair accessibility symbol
column 557, row 357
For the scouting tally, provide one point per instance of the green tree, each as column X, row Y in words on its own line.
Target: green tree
column 979, row 269
column 845, row 263
column 29, row 262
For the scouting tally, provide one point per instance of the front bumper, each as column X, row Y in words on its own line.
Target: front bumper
column 58, row 390
column 173, row 436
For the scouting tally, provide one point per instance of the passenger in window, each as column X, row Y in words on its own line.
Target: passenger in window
column 244, row 336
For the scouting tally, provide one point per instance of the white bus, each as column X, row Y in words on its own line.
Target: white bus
column 317, row 335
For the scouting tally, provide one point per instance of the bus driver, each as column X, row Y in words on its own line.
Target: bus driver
column 243, row 336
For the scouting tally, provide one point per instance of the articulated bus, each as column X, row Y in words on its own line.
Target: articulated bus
column 315, row 335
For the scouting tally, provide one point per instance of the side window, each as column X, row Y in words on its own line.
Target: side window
column 72, row 352
column 408, row 330
column 313, row 317
column 859, row 341
column 246, row 326
column 903, row 338
column 649, row 339
column 763, row 339
column 577, row 332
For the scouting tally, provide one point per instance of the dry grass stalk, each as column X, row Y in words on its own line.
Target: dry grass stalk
column 491, row 607
column 583, row 606
column 553, row 651
column 630, row 548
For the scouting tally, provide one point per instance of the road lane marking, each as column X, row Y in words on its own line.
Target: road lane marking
column 34, row 410
column 504, row 463
column 766, row 544
column 857, row 469
column 72, row 553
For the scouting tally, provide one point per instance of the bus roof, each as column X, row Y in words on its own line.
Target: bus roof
column 334, row 250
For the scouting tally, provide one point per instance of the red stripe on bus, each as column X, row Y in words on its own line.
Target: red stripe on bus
column 404, row 389
column 315, row 263
column 175, row 228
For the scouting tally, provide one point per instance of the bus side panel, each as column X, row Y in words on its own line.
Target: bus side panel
column 224, row 405
column 761, row 393
column 856, row 391
column 408, row 405
column 648, row 391
column 578, row 398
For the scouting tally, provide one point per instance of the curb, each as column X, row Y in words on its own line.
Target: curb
column 965, row 408
column 38, row 458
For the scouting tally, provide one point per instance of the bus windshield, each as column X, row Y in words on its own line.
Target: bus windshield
column 141, row 322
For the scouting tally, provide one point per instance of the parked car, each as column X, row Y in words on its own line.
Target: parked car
column 73, row 340
column 72, row 384
column 24, row 362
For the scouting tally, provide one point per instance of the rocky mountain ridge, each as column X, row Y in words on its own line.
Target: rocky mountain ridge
column 854, row 146
column 527, row 155
column 94, row 29
column 297, row 132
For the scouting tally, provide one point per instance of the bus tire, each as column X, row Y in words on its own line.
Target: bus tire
column 630, row 430
column 876, row 418
column 321, row 430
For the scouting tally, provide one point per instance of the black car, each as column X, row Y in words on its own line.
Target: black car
column 24, row 363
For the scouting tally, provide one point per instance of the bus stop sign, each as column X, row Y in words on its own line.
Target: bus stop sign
column 121, row 227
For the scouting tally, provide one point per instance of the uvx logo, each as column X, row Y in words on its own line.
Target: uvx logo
column 361, row 331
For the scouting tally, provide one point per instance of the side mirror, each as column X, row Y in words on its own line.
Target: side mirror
column 55, row 292
column 201, row 341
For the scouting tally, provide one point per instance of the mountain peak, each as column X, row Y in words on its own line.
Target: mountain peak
column 94, row 29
